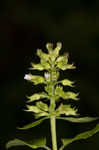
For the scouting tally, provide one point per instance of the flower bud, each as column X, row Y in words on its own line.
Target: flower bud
column 59, row 45
column 49, row 46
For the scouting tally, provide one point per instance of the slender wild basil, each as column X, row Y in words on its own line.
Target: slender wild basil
column 51, row 63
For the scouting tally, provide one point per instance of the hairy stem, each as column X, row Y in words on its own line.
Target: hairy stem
column 53, row 132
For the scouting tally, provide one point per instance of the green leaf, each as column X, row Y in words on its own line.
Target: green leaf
column 62, row 63
column 38, row 110
column 36, row 143
column 67, row 82
column 48, row 89
column 70, row 95
column 34, row 109
column 37, row 67
column 41, row 114
column 65, row 95
column 59, row 90
column 62, row 60
column 15, row 142
column 84, row 135
column 78, row 120
column 34, row 97
column 31, row 125
column 37, row 96
column 45, row 64
column 36, row 79
column 65, row 66
column 42, row 106
column 42, row 55
column 67, row 110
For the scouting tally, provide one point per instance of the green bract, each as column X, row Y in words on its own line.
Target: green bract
column 35, row 79
column 37, row 67
column 34, row 109
column 51, row 62
column 67, row 110
column 42, row 106
column 67, row 82
column 65, row 95
column 37, row 96
column 45, row 64
column 42, row 55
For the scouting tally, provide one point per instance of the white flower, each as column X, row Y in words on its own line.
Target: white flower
column 47, row 75
column 27, row 77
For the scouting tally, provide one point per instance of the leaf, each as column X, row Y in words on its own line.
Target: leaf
column 78, row 120
column 42, row 106
column 80, row 136
column 70, row 95
column 31, row 125
column 37, row 67
column 65, row 95
column 65, row 67
column 48, row 89
column 34, row 109
column 59, row 90
column 37, row 96
column 36, row 79
column 41, row 114
column 62, row 63
column 42, row 55
column 15, row 142
column 45, row 64
column 38, row 110
column 62, row 60
column 67, row 110
column 67, row 82
column 34, row 97
column 36, row 143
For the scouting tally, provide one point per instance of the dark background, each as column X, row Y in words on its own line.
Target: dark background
column 28, row 25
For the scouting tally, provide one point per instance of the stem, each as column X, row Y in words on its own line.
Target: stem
column 53, row 117
column 53, row 132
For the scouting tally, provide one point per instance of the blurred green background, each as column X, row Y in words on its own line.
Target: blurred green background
column 26, row 25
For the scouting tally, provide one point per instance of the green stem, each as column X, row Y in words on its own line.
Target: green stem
column 53, row 117
column 53, row 132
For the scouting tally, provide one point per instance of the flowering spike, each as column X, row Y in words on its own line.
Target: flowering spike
column 52, row 62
